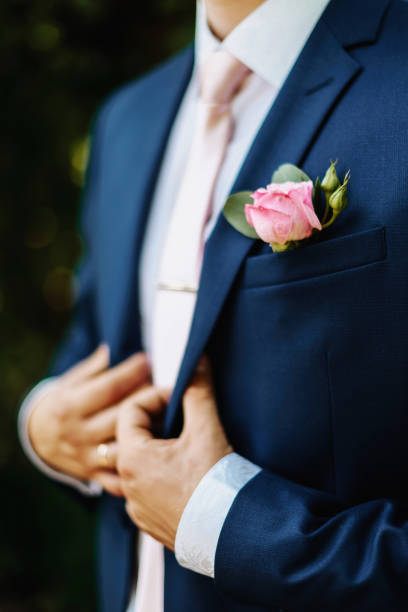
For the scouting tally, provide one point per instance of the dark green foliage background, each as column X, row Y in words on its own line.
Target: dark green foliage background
column 59, row 58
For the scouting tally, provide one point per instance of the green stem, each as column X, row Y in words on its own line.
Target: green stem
column 333, row 218
column 326, row 210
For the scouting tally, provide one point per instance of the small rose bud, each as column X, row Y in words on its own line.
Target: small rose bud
column 339, row 199
column 331, row 181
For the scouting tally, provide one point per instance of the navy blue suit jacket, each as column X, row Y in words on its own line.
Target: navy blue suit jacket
column 309, row 347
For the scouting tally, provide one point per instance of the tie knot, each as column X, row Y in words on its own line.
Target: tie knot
column 221, row 77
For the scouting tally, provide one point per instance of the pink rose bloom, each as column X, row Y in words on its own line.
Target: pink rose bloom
column 283, row 212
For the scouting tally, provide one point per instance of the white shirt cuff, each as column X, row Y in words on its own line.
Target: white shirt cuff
column 90, row 488
column 204, row 515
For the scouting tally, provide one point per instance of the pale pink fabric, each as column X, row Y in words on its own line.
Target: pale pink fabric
column 221, row 77
column 150, row 579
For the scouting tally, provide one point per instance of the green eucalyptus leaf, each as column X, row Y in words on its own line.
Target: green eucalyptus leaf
column 234, row 212
column 289, row 173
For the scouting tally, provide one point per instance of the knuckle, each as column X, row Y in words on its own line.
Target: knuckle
column 130, row 510
column 74, row 437
column 62, row 411
column 190, row 394
column 125, row 407
column 124, row 413
column 86, row 431
column 125, row 467
column 142, row 523
column 136, row 514
column 139, row 397
column 139, row 362
column 198, row 393
column 85, row 458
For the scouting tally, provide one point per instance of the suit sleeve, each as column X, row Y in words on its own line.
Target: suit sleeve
column 287, row 546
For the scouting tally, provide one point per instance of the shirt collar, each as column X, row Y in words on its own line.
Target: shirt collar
column 269, row 40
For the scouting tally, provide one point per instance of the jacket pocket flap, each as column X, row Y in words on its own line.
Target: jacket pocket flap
column 318, row 259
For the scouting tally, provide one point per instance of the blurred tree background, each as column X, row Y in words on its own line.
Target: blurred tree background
column 59, row 58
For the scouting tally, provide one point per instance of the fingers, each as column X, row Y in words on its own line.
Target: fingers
column 112, row 386
column 138, row 414
column 150, row 399
column 110, row 481
column 101, row 426
column 199, row 405
column 96, row 363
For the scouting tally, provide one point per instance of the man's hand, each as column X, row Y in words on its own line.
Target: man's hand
column 159, row 476
column 77, row 415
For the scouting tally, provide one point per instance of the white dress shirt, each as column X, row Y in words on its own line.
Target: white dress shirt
column 269, row 42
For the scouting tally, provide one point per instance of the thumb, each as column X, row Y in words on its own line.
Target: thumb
column 199, row 404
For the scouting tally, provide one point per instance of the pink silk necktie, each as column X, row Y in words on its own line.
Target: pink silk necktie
column 221, row 77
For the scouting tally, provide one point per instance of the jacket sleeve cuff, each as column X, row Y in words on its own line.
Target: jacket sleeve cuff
column 90, row 489
column 204, row 515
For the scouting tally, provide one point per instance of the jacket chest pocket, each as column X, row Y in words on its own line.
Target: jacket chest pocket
column 320, row 259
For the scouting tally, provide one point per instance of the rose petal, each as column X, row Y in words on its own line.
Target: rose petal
column 312, row 217
column 258, row 195
column 303, row 192
column 270, row 225
column 282, row 188
column 262, row 198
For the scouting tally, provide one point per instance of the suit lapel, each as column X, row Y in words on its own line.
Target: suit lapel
column 316, row 83
column 126, row 199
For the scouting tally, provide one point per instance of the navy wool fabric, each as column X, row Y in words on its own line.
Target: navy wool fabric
column 309, row 347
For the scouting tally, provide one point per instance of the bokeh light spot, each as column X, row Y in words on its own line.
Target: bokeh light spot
column 79, row 160
column 45, row 36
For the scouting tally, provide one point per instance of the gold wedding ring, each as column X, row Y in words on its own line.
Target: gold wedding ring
column 103, row 455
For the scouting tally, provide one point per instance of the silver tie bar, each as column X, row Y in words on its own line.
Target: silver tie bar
column 182, row 287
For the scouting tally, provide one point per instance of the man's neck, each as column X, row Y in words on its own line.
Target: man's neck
column 224, row 15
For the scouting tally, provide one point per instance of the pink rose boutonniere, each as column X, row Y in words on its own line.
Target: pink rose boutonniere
column 288, row 211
